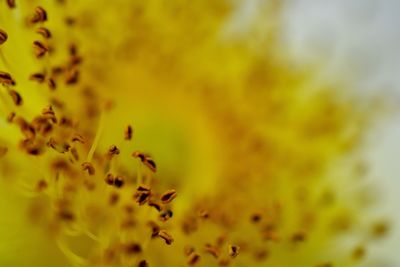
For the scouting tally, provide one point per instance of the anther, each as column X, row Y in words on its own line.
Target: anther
column 37, row 77
column 3, row 151
column 143, row 263
column 213, row 250
column 233, row 251
column 16, row 97
column 44, row 32
column 3, row 37
column 6, row 79
column 11, row 3
column 40, row 49
column 118, row 182
column 113, row 150
column 146, row 160
column 193, row 259
column 166, row 236
column 165, row 215
column 128, row 132
column 39, row 16
column 168, row 196
column 87, row 166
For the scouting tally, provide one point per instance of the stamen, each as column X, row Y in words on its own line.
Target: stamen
column 3, row 37
column 39, row 16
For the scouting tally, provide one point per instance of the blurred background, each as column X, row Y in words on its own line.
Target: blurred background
column 358, row 40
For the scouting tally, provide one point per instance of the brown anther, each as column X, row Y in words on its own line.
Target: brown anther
column 37, row 77
column 233, row 251
column 203, row 214
column 128, row 132
column 146, row 160
column 74, row 153
column 66, row 215
column 87, row 166
column 41, row 185
column 109, row 179
column 11, row 3
column 143, row 188
column 51, row 83
column 298, row 237
column 90, row 185
column 133, row 248
column 155, row 205
column 165, row 215
column 270, row 236
column 358, row 252
column 49, row 113
column 39, row 16
column 143, row 263
column 10, row 117
column 6, row 79
column 78, row 138
column 168, row 196
column 118, row 181
column 187, row 250
column 16, row 97
column 71, row 77
column 380, row 229
column 213, row 250
column 25, row 127
column 3, row 151
column 44, row 32
column 113, row 150
column 193, row 259
column 142, row 197
column 75, row 60
column 114, row 197
column 154, row 228
column 166, row 236
column 256, row 217
column 40, row 49
column 3, row 37
column 223, row 262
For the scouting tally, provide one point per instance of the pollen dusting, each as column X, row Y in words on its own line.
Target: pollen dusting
column 233, row 158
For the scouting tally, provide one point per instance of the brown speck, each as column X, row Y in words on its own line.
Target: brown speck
column 380, row 229
column 143, row 263
column 128, row 132
column 37, row 77
column 168, row 196
column 118, row 181
column 71, row 77
column 113, row 150
column 233, row 251
column 187, row 250
column 3, row 151
column 213, row 250
column 298, row 237
column 74, row 153
column 39, row 16
column 16, row 97
column 87, row 166
column 193, row 259
column 256, row 217
column 165, row 215
column 11, row 3
column 10, row 117
column 155, row 205
column 133, row 248
column 44, row 32
column 166, row 236
column 41, row 185
column 358, row 252
column 51, row 84
column 78, row 138
column 3, row 37
column 6, row 79
column 40, row 49
column 146, row 160
column 114, row 197
column 109, row 179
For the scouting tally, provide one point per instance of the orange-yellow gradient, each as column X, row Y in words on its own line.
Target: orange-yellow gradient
column 236, row 158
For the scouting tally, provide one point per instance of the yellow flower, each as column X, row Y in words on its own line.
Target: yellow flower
column 147, row 133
